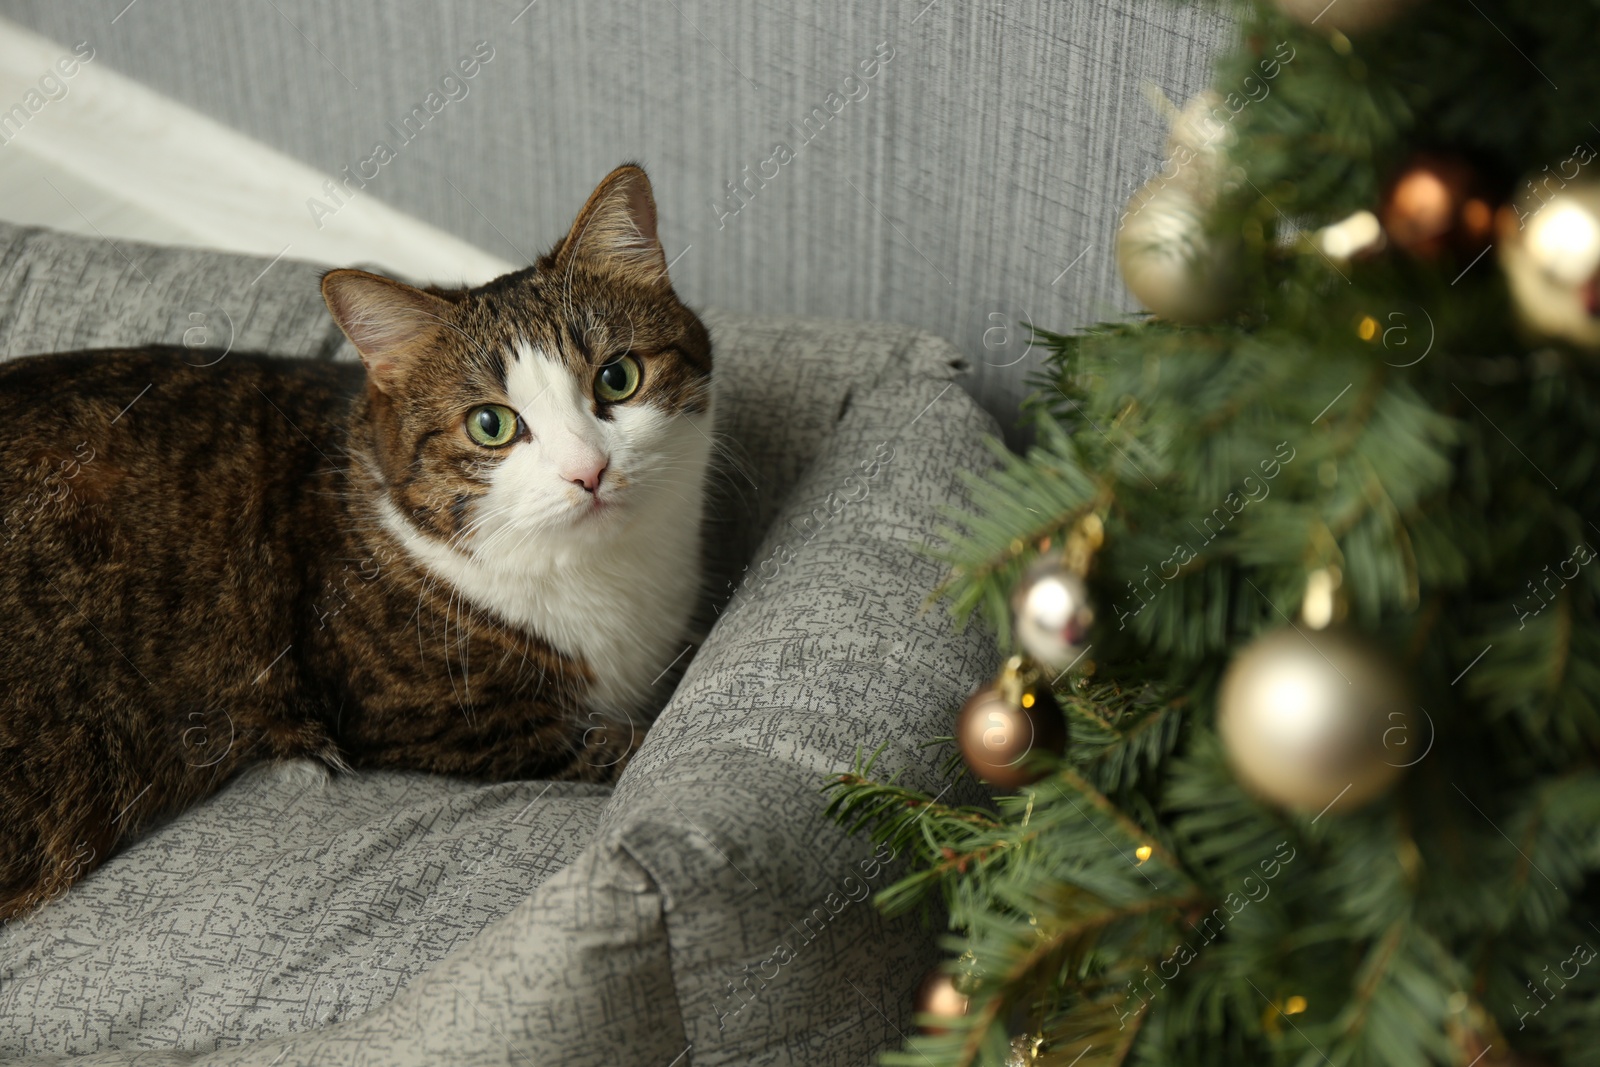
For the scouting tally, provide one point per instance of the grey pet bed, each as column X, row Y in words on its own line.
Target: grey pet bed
column 700, row 912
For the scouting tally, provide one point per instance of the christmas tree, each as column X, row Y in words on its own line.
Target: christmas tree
column 1296, row 758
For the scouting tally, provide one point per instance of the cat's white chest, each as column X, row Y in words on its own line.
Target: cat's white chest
column 624, row 611
column 621, row 605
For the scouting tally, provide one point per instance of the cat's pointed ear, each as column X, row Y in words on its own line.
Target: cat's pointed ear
column 616, row 230
column 383, row 318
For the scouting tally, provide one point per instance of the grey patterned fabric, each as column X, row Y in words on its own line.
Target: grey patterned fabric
column 974, row 181
column 287, row 902
column 700, row 912
column 58, row 294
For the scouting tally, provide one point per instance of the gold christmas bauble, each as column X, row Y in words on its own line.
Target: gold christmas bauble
column 938, row 995
column 1313, row 718
column 1170, row 259
column 998, row 736
column 1051, row 613
column 1345, row 16
column 1198, row 138
column 1549, row 250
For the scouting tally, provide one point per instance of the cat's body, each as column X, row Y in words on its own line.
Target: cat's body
column 205, row 566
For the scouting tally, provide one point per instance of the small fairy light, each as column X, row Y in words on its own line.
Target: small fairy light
column 1027, row 700
column 1143, row 852
column 1294, row 1005
column 1321, row 603
column 1350, row 237
column 1565, row 240
column 1367, row 328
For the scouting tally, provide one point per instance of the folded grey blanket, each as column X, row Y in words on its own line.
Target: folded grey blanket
column 700, row 912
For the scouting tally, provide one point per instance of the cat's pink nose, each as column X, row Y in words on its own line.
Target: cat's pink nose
column 586, row 475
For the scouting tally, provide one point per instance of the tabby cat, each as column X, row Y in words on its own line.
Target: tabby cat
column 476, row 552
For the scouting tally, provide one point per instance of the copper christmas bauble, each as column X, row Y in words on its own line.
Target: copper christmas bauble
column 1051, row 613
column 1549, row 248
column 998, row 738
column 938, row 995
column 1345, row 16
column 1437, row 204
column 1312, row 718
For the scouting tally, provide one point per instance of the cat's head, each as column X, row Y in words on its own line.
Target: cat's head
column 562, row 404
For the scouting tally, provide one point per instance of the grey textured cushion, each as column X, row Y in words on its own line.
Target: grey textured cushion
column 701, row 912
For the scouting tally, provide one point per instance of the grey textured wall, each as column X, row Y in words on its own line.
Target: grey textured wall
column 950, row 190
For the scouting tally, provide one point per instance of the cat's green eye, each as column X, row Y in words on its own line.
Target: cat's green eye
column 492, row 425
column 618, row 380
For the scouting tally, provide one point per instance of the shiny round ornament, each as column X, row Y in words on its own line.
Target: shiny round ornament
column 1314, row 718
column 1171, row 260
column 1167, row 252
column 1345, row 16
column 1198, row 138
column 938, row 995
column 1051, row 614
column 1436, row 205
column 1549, row 248
column 999, row 735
